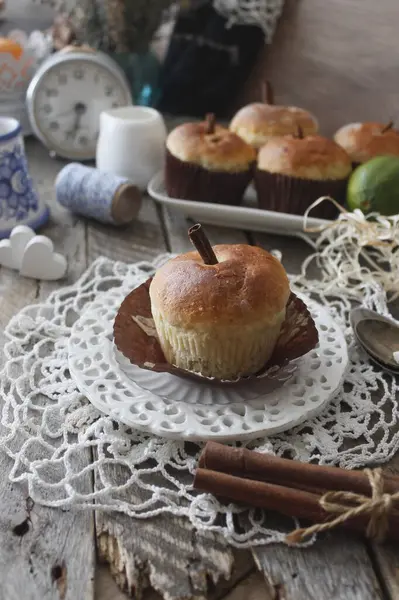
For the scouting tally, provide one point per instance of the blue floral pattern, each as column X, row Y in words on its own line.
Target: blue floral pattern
column 17, row 196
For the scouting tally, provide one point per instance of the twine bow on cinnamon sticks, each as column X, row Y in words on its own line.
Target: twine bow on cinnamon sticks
column 365, row 501
column 348, row 505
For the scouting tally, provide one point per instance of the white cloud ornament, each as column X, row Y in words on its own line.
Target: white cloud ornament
column 12, row 250
column 39, row 260
column 32, row 255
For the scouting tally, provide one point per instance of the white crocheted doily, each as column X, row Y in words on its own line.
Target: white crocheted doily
column 46, row 422
column 263, row 13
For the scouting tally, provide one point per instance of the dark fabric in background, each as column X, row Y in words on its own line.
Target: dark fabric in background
column 206, row 76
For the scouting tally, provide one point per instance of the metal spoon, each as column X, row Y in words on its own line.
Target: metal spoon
column 378, row 336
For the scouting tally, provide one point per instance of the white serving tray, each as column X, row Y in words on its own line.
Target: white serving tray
column 246, row 216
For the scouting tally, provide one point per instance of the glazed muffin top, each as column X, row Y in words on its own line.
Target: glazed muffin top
column 246, row 285
column 210, row 146
column 364, row 141
column 312, row 157
column 258, row 122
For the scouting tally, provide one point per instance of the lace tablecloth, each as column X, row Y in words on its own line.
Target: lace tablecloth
column 46, row 421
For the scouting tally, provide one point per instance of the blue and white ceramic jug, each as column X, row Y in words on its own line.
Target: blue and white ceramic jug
column 19, row 203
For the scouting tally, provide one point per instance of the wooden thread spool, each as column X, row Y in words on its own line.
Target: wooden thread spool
column 102, row 196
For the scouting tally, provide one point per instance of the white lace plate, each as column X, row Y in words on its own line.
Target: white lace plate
column 181, row 409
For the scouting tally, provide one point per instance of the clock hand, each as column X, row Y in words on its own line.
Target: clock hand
column 72, row 132
column 79, row 110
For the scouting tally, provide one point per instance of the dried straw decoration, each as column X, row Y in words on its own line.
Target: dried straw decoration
column 355, row 252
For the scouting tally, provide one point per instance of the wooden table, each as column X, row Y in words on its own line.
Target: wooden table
column 61, row 555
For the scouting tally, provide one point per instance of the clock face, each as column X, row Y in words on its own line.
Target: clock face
column 68, row 100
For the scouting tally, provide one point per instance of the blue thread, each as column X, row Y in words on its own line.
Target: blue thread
column 88, row 191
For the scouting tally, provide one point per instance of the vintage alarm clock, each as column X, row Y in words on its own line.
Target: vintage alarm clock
column 66, row 96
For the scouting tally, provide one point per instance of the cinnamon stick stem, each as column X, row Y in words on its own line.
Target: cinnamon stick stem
column 267, row 93
column 285, row 500
column 387, row 127
column 210, row 123
column 202, row 244
column 299, row 133
column 266, row 467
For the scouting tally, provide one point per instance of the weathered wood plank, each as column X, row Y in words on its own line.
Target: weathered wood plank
column 106, row 587
column 52, row 556
column 386, row 564
column 55, row 558
column 29, row 564
column 166, row 554
column 15, row 293
column 336, row 567
column 66, row 230
column 243, row 568
column 176, row 226
column 253, row 587
column 141, row 240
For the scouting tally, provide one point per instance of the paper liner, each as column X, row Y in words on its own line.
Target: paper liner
column 293, row 195
column 298, row 336
column 188, row 181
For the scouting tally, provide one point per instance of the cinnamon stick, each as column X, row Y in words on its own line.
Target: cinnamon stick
column 210, row 123
column 299, row 135
column 202, row 244
column 285, row 500
column 387, row 127
column 267, row 93
column 266, row 467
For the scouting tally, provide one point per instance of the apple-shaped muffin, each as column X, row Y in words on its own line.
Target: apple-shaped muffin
column 220, row 320
column 294, row 171
column 207, row 163
column 256, row 123
column 364, row 141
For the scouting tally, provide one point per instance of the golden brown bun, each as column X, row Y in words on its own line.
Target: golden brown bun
column 248, row 284
column 363, row 141
column 257, row 123
column 218, row 151
column 220, row 320
column 311, row 157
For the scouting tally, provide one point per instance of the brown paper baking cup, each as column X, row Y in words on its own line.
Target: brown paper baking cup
column 186, row 181
column 292, row 195
column 139, row 344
